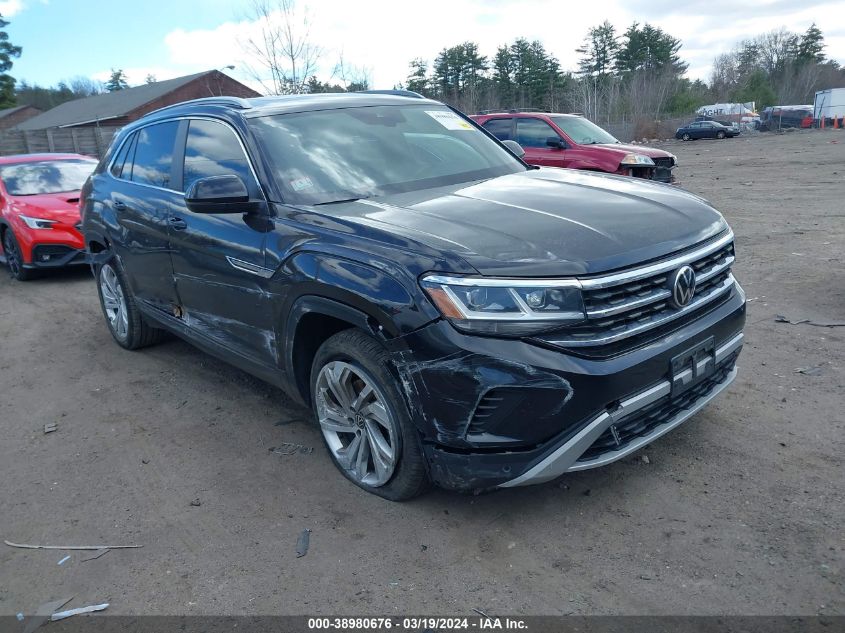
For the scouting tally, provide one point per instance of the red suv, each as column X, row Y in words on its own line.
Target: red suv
column 569, row 140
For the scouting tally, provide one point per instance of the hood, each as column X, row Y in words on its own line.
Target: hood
column 61, row 207
column 651, row 152
column 545, row 222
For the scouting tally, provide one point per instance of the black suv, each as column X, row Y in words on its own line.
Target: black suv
column 451, row 314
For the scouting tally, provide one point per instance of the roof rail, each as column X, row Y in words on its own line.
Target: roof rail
column 513, row 111
column 232, row 102
column 395, row 92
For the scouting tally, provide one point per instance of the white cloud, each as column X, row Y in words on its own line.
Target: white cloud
column 8, row 8
column 384, row 35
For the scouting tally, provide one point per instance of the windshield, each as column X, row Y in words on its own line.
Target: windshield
column 582, row 131
column 54, row 176
column 334, row 155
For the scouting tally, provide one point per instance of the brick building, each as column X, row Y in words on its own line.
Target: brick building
column 10, row 117
column 124, row 106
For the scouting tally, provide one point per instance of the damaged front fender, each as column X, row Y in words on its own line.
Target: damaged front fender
column 469, row 398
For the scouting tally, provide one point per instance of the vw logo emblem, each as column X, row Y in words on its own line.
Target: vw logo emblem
column 683, row 286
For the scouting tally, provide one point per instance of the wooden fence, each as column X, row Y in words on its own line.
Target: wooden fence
column 91, row 141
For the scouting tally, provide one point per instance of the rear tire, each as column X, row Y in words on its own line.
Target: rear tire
column 14, row 257
column 124, row 319
column 363, row 418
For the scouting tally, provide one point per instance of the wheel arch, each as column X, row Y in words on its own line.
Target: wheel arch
column 96, row 243
column 311, row 321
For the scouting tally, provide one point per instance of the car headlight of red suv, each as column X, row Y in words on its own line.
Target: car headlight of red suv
column 636, row 159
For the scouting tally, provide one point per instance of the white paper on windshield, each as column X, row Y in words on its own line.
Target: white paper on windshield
column 449, row 120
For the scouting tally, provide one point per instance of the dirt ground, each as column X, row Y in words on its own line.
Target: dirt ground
column 739, row 511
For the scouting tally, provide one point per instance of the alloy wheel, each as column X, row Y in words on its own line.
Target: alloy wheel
column 359, row 428
column 13, row 256
column 114, row 302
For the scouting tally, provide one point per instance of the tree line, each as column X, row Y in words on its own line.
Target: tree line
column 629, row 76
column 634, row 75
column 776, row 68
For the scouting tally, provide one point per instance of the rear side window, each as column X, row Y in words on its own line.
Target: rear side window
column 154, row 155
column 533, row 132
column 213, row 149
column 120, row 159
column 500, row 128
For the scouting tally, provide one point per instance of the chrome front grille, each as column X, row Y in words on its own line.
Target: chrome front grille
column 632, row 302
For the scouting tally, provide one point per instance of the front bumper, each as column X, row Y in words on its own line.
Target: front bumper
column 56, row 256
column 572, row 455
column 657, row 173
column 579, row 412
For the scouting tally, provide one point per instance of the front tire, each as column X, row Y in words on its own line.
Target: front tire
column 124, row 319
column 720, row 135
column 686, row 137
column 363, row 418
column 14, row 257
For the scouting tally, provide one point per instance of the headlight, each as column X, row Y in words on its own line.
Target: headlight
column 506, row 306
column 636, row 159
column 37, row 223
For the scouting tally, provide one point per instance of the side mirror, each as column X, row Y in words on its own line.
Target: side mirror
column 219, row 194
column 514, row 148
column 554, row 141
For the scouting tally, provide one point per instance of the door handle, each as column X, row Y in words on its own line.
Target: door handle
column 118, row 205
column 177, row 224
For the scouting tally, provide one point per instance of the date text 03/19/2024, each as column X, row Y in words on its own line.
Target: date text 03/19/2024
column 420, row 623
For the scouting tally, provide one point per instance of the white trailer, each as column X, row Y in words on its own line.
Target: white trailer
column 829, row 104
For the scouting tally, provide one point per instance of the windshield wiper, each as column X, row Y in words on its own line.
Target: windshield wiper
column 319, row 204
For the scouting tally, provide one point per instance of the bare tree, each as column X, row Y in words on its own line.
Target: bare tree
column 283, row 53
column 85, row 86
column 353, row 77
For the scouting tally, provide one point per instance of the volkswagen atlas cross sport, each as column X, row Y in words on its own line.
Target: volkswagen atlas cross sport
column 451, row 314
column 39, row 211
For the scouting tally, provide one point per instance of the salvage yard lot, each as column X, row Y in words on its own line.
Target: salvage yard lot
column 738, row 511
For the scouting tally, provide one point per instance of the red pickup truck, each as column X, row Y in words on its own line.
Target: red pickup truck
column 569, row 140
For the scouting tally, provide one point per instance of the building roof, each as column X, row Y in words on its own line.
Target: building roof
column 6, row 112
column 104, row 107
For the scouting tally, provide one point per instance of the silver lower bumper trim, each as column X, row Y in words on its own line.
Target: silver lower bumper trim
column 565, row 458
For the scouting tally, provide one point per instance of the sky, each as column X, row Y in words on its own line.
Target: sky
column 62, row 39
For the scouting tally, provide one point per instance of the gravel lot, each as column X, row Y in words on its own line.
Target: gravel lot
column 739, row 511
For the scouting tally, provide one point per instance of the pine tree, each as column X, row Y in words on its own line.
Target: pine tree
column 649, row 48
column 418, row 80
column 459, row 73
column 598, row 53
column 811, row 46
column 117, row 81
column 7, row 52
